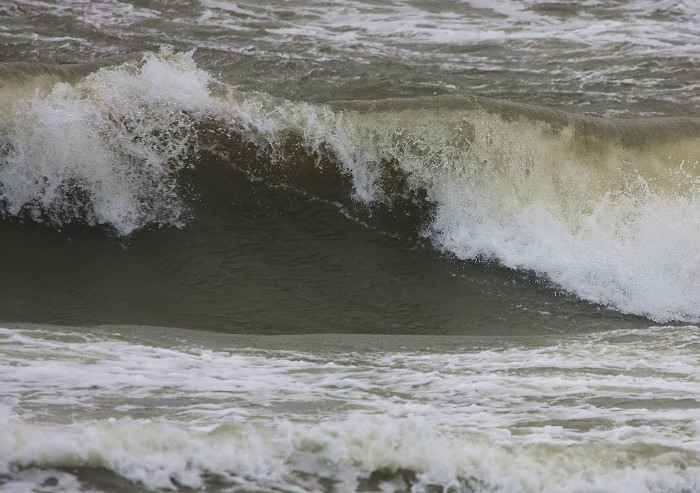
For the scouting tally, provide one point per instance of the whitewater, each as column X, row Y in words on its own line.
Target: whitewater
column 349, row 246
column 587, row 204
column 592, row 413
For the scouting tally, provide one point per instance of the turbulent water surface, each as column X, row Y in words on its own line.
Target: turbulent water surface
column 350, row 246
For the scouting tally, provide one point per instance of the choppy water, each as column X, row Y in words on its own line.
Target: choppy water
column 400, row 246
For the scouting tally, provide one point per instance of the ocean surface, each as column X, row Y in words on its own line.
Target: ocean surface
column 338, row 246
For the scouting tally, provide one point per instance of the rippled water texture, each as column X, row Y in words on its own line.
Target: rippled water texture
column 606, row 57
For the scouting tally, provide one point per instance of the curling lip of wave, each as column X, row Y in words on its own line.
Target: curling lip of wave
column 19, row 75
column 19, row 79
column 588, row 203
column 633, row 132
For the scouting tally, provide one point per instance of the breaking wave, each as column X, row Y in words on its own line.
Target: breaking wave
column 608, row 210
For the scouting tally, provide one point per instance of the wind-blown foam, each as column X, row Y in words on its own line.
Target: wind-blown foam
column 606, row 209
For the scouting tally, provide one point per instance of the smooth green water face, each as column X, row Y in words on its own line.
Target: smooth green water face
column 273, row 263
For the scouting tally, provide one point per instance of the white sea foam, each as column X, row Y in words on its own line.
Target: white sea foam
column 104, row 150
column 611, row 222
column 596, row 222
column 603, row 412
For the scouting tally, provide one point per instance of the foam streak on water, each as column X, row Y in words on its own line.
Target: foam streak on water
column 604, row 412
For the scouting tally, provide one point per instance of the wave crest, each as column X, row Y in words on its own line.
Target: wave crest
column 606, row 209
